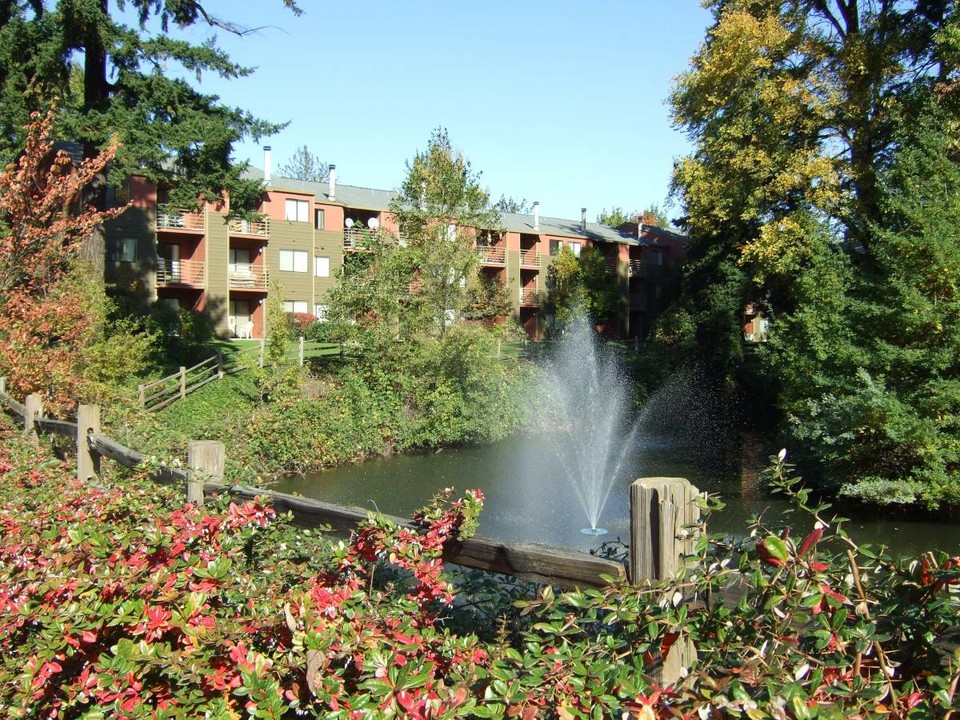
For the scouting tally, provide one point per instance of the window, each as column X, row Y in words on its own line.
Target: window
column 319, row 221
column 320, row 312
column 658, row 256
column 293, row 260
column 296, row 210
column 295, row 306
column 321, row 266
column 576, row 248
column 128, row 249
column 555, row 246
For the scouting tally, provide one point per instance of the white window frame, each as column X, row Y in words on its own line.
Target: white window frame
column 321, row 266
column 295, row 306
column 293, row 260
column 319, row 219
column 575, row 248
column 296, row 210
column 320, row 311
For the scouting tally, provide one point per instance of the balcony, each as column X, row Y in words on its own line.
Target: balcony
column 192, row 273
column 243, row 276
column 530, row 298
column 530, row 258
column 177, row 219
column 492, row 255
column 638, row 269
column 253, row 228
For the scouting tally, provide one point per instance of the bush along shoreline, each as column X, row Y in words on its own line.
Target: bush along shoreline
column 290, row 419
column 120, row 601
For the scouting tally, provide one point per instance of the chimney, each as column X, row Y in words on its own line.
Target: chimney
column 583, row 220
column 536, row 215
column 333, row 183
column 267, row 157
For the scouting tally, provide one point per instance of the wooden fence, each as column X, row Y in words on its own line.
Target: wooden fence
column 664, row 515
column 158, row 394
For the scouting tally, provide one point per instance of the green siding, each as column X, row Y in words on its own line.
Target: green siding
column 218, row 257
column 288, row 235
column 327, row 243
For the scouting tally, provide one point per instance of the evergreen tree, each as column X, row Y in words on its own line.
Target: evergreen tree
column 116, row 82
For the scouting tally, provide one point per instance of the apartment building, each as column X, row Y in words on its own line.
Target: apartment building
column 203, row 260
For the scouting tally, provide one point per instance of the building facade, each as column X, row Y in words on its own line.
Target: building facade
column 203, row 260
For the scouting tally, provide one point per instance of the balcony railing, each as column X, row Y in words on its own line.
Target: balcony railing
column 258, row 228
column 181, row 272
column 492, row 255
column 176, row 219
column 638, row 268
column 530, row 298
column 243, row 276
column 530, row 258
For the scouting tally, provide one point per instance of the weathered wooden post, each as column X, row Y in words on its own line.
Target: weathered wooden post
column 300, row 351
column 3, row 384
column 263, row 344
column 142, row 395
column 88, row 421
column 205, row 461
column 33, row 404
column 219, row 364
column 662, row 513
column 498, row 349
column 183, row 382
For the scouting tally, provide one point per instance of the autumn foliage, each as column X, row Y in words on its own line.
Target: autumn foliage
column 44, row 316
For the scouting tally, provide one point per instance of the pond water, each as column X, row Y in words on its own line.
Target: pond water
column 527, row 499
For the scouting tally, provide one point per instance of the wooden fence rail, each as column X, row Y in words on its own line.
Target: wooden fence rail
column 664, row 517
column 158, row 394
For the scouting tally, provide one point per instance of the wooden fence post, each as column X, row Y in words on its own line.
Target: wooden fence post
column 263, row 344
column 141, row 395
column 661, row 511
column 300, row 351
column 33, row 404
column 220, row 364
column 183, row 382
column 498, row 349
column 205, row 460
column 88, row 421
column 3, row 384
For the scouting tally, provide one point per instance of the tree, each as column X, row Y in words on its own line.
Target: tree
column 47, row 316
column 582, row 285
column 796, row 108
column 304, row 165
column 512, row 205
column 888, row 425
column 439, row 209
column 616, row 217
column 177, row 135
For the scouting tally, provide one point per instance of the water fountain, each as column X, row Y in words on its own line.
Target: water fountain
column 592, row 411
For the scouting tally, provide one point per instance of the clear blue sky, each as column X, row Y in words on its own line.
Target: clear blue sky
column 561, row 102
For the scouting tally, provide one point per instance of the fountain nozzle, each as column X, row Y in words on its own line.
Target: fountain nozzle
column 594, row 531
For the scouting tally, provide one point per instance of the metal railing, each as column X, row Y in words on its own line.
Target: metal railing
column 242, row 276
column 178, row 219
column 530, row 298
column 258, row 228
column 181, row 272
column 530, row 258
column 492, row 255
column 638, row 268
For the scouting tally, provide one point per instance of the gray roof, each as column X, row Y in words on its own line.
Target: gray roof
column 364, row 198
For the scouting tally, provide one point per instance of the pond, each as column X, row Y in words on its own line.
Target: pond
column 527, row 499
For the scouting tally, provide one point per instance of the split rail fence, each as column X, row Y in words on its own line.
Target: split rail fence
column 664, row 515
column 158, row 394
